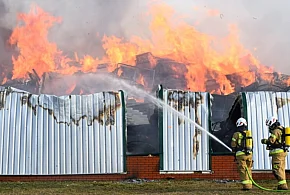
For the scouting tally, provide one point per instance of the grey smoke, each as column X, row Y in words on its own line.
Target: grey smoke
column 5, row 51
column 262, row 24
column 81, row 21
column 5, row 31
column 2, row 9
column 90, row 83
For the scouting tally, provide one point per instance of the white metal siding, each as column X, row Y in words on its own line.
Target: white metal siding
column 47, row 135
column 178, row 142
column 261, row 105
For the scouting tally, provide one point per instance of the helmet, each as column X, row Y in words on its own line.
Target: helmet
column 271, row 120
column 241, row 122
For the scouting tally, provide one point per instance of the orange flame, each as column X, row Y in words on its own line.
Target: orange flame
column 35, row 51
column 120, row 71
column 288, row 81
column 179, row 41
column 71, row 88
column 89, row 64
column 140, row 80
column 171, row 37
column 4, row 81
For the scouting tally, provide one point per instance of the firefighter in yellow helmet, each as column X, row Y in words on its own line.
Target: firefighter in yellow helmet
column 243, row 155
column 277, row 151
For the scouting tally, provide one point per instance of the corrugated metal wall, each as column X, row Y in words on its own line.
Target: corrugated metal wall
column 184, row 148
column 46, row 135
column 261, row 105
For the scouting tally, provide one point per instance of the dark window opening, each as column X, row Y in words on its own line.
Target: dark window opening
column 224, row 130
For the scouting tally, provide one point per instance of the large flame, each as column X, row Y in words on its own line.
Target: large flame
column 35, row 51
column 171, row 37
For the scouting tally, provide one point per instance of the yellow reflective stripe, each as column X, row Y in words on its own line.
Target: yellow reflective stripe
column 238, row 153
column 282, row 182
column 247, row 182
column 276, row 151
column 240, row 138
column 274, row 136
column 234, row 139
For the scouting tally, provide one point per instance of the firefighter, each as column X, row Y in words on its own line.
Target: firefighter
column 277, row 151
column 243, row 154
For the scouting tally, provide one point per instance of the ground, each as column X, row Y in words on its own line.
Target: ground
column 209, row 187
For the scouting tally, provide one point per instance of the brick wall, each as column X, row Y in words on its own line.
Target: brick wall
column 146, row 167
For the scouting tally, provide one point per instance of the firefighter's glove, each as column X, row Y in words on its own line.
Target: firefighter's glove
column 264, row 141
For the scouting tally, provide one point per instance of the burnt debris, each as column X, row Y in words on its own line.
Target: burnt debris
column 31, row 84
column 147, row 73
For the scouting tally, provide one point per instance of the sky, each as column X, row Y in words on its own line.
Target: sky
column 262, row 24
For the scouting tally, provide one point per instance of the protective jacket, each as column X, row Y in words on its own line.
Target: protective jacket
column 275, row 145
column 238, row 143
column 274, row 142
column 243, row 158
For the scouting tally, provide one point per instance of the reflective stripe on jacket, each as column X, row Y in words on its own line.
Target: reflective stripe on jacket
column 276, row 151
column 239, row 153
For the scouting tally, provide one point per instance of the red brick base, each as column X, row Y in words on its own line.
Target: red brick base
column 223, row 167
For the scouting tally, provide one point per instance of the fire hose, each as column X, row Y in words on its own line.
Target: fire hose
column 262, row 188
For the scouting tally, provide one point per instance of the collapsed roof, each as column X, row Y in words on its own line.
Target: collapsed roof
column 147, row 73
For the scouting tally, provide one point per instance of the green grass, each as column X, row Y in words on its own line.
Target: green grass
column 208, row 187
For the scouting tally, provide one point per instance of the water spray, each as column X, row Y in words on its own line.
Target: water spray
column 160, row 103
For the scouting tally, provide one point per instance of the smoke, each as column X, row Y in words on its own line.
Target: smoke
column 88, row 83
column 83, row 22
column 5, row 51
column 4, row 30
column 262, row 24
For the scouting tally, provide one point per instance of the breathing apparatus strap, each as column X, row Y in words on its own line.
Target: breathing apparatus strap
column 244, row 143
column 283, row 138
column 278, row 143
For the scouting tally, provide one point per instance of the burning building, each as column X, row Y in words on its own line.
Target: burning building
column 176, row 55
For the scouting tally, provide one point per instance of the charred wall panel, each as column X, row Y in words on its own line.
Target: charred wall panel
column 50, row 135
column 184, row 147
column 261, row 105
